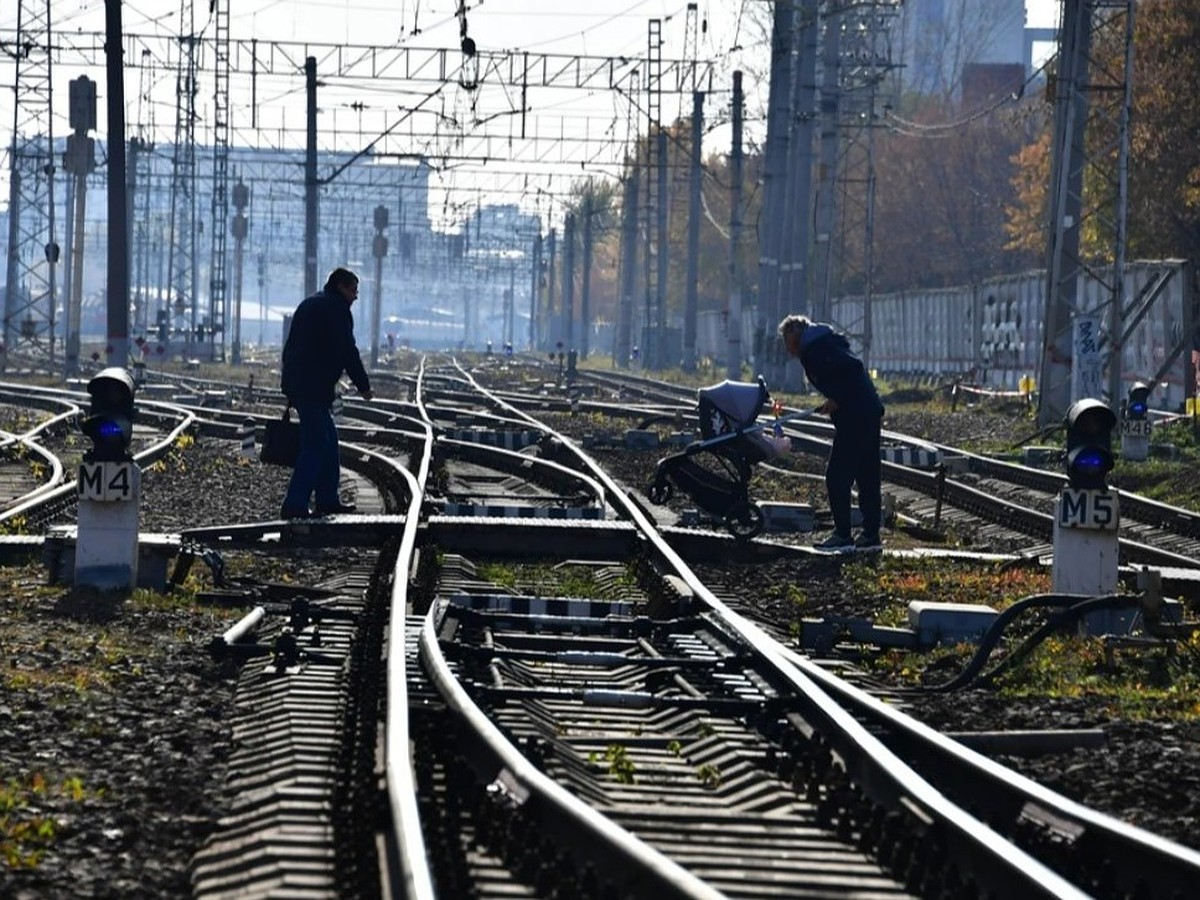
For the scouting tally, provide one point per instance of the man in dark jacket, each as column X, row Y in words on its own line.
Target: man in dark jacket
column 320, row 346
column 853, row 404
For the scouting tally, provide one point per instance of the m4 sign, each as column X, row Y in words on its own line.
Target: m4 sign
column 1088, row 508
column 105, row 482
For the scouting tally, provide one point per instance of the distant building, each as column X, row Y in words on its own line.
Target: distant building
column 944, row 44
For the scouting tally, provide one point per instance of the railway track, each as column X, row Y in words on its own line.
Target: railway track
column 1014, row 498
column 561, row 707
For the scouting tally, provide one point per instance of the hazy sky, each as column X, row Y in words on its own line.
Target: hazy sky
column 359, row 111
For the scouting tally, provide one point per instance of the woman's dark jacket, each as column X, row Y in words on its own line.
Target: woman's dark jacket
column 837, row 373
column 320, row 346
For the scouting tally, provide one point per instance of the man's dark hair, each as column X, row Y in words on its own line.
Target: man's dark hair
column 793, row 323
column 338, row 278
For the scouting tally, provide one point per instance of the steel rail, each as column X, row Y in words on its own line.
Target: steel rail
column 1170, row 869
column 1004, row 867
column 637, row 869
column 525, row 466
column 414, row 881
column 146, row 457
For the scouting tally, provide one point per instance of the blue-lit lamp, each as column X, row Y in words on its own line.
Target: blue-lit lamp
column 1138, row 403
column 1090, row 425
column 109, row 423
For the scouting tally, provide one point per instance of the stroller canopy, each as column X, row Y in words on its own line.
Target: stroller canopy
column 739, row 401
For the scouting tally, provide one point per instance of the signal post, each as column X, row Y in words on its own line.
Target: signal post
column 108, row 487
column 1135, row 424
column 1087, row 514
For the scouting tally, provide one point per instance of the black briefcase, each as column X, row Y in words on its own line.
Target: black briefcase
column 281, row 441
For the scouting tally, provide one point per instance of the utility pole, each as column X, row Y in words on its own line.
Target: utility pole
column 550, row 276
column 1091, row 101
column 118, row 221
column 379, row 249
column 774, row 186
column 240, row 226
column 660, row 293
column 830, row 106
column 510, row 303
column 585, row 310
column 310, row 180
column 568, row 294
column 793, row 268
column 693, row 235
column 80, row 159
column 733, row 324
column 535, row 289
column 629, row 250
column 262, row 300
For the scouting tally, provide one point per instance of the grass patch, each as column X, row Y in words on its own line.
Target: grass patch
column 548, row 580
column 26, row 831
column 901, row 581
column 1161, row 682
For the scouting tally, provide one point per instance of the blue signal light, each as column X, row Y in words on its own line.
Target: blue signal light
column 1138, row 408
column 1091, row 461
column 110, row 429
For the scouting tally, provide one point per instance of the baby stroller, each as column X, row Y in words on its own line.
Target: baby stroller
column 715, row 470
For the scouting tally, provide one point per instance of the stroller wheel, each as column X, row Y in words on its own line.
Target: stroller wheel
column 660, row 491
column 744, row 520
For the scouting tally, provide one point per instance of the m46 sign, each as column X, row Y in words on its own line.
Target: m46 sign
column 1137, row 427
column 105, row 482
column 1088, row 508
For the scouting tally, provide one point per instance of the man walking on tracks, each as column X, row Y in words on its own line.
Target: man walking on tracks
column 319, row 348
column 853, row 404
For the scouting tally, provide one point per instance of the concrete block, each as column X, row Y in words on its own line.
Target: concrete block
column 788, row 517
column 1122, row 621
column 1040, row 456
column 949, row 623
column 641, row 439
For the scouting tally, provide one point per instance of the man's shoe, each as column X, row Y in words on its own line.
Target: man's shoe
column 342, row 509
column 286, row 513
column 868, row 542
column 836, row 543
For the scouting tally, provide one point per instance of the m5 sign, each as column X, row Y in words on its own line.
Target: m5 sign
column 1088, row 508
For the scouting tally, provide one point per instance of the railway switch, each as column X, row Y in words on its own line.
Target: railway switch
column 1089, row 444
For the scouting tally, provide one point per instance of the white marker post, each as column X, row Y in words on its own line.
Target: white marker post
column 108, row 487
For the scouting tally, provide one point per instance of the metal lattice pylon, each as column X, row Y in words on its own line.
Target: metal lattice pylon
column 655, row 255
column 29, row 296
column 181, row 260
column 218, row 292
column 865, row 67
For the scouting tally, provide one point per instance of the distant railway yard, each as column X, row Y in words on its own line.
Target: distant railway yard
column 525, row 667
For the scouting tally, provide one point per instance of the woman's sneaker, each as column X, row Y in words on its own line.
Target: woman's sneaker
column 835, row 543
column 868, row 542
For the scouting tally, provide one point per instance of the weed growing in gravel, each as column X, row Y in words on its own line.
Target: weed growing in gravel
column 551, row 580
column 1139, row 682
column 902, row 581
column 15, row 525
column 620, row 766
column 26, row 832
